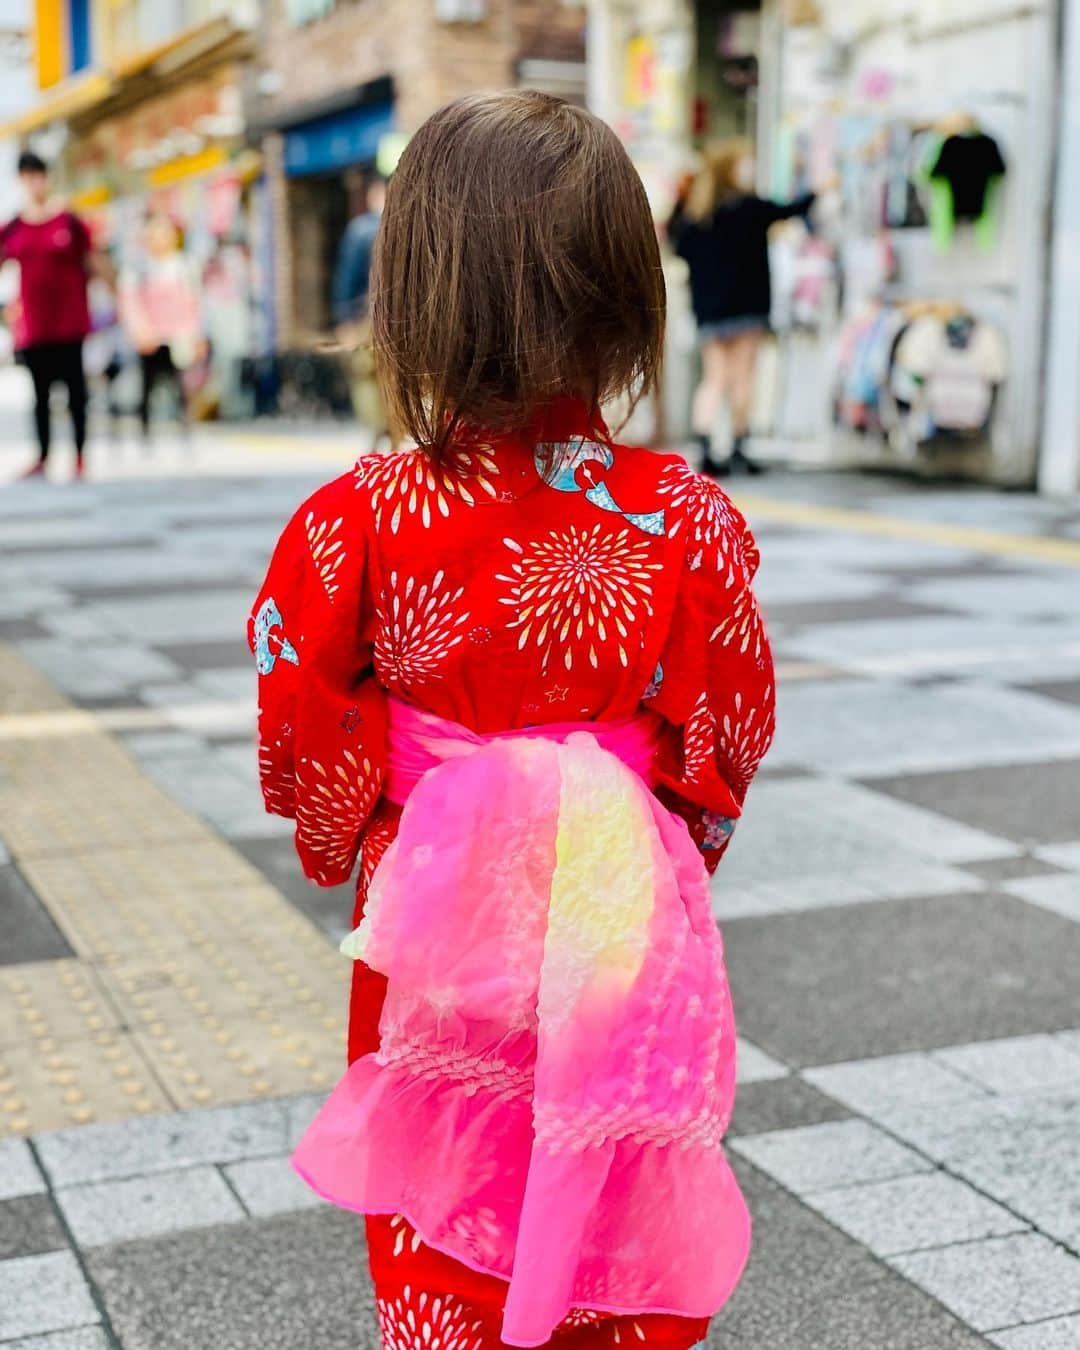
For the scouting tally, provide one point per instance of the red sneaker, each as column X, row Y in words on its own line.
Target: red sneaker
column 34, row 471
column 80, row 469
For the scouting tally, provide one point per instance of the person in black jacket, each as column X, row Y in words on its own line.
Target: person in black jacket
column 721, row 229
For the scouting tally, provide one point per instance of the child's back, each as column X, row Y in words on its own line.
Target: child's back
column 527, row 579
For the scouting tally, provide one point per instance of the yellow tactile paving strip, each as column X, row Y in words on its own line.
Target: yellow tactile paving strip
column 194, row 983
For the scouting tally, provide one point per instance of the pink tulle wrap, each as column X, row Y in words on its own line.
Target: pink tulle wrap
column 557, row 1060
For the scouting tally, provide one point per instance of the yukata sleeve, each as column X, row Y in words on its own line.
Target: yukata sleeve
column 322, row 715
column 715, row 684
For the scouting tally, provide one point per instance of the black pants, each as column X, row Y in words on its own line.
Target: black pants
column 49, row 363
column 159, row 365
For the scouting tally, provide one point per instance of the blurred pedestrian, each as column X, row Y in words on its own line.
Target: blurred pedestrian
column 351, row 311
column 353, row 272
column 500, row 653
column 720, row 227
column 162, row 316
column 52, row 316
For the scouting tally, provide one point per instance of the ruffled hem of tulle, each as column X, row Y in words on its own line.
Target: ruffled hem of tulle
column 372, row 1150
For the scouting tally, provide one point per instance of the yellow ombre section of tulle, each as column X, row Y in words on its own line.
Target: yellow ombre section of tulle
column 602, row 890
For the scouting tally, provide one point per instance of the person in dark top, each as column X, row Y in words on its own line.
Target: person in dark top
column 53, row 249
column 350, row 285
column 721, row 229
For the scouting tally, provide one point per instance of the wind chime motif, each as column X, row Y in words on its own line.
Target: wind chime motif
column 579, row 465
column 269, row 640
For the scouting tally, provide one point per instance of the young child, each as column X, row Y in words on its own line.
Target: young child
column 520, row 672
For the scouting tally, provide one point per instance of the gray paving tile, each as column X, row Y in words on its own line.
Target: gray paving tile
column 1060, row 1333
column 782, row 1104
column 755, row 1066
column 835, row 1153
column 131, row 1148
column 141, row 1207
column 864, row 728
column 24, row 601
column 231, row 682
column 299, row 1113
column 808, row 1287
column 19, row 1173
column 96, row 667
column 926, row 645
column 28, row 1225
column 833, row 890
column 27, row 932
column 1000, row 1281
column 22, row 630
column 778, row 584
column 1048, row 591
column 207, row 615
column 270, row 1186
column 43, row 1293
column 159, row 744
column 85, row 1338
column 1017, row 1064
column 1011, row 869
column 1034, row 803
column 868, row 980
column 1020, row 1150
column 275, row 1284
column 812, row 842
column 910, row 1213
column 1058, row 894
column 874, row 1086
column 1061, row 855
column 807, row 613
column 1064, row 691
column 215, row 655
column 330, row 908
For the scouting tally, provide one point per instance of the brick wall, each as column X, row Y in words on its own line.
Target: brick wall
column 431, row 62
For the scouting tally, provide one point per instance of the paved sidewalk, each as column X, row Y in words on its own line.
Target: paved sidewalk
column 901, row 908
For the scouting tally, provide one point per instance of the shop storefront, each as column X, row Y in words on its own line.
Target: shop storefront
column 911, row 322
column 917, row 311
column 180, row 153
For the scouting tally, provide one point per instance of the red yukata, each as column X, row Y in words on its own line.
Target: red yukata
column 545, row 577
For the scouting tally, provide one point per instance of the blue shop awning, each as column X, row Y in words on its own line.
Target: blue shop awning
column 338, row 140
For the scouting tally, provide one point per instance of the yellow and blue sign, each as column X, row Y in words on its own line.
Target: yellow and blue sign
column 63, row 39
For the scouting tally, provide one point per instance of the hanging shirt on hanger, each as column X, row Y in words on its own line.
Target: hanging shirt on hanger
column 963, row 173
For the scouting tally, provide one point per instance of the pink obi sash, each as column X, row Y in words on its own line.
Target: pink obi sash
column 557, row 1059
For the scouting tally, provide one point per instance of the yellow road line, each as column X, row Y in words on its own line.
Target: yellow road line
column 1063, row 552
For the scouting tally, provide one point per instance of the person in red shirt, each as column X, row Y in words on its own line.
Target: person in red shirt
column 52, row 247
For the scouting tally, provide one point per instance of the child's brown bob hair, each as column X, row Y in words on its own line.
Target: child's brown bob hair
column 516, row 261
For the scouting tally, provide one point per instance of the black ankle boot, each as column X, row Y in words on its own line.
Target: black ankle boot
column 741, row 460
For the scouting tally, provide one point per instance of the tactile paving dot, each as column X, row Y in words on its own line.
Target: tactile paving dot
column 196, row 983
column 162, row 997
column 32, row 1100
column 46, row 1001
column 82, row 792
column 253, row 1065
